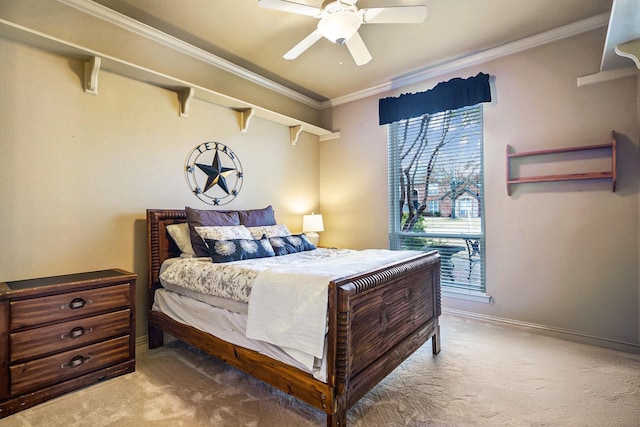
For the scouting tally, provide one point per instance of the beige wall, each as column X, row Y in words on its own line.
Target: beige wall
column 61, row 21
column 78, row 171
column 560, row 255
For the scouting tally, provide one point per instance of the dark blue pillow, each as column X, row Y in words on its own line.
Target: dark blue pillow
column 239, row 249
column 291, row 244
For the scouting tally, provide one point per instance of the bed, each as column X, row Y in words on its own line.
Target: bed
column 375, row 320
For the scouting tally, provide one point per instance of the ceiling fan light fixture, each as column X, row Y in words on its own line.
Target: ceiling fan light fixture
column 339, row 21
column 338, row 27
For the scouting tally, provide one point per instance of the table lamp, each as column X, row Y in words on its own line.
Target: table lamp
column 310, row 225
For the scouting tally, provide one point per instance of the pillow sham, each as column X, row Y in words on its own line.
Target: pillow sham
column 180, row 234
column 278, row 230
column 199, row 218
column 258, row 217
column 291, row 244
column 239, row 249
column 226, row 232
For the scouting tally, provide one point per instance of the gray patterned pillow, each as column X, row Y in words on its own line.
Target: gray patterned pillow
column 224, row 232
column 279, row 230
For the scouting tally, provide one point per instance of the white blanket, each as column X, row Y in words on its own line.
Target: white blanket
column 288, row 303
column 289, row 311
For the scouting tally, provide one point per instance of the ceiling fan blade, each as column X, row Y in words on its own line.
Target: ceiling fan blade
column 305, row 44
column 289, row 6
column 358, row 49
column 394, row 15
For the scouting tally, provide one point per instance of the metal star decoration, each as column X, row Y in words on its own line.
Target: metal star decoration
column 228, row 179
column 216, row 174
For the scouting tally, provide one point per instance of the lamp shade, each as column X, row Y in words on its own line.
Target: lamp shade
column 312, row 223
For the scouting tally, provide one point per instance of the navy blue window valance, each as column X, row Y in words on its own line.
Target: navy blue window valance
column 453, row 94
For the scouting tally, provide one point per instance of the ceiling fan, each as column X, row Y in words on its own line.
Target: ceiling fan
column 340, row 21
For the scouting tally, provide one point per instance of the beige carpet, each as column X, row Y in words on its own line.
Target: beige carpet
column 486, row 375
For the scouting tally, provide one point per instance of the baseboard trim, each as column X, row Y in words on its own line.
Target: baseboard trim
column 142, row 344
column 565, row 334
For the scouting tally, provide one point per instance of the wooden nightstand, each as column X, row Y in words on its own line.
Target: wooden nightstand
column 60, row 333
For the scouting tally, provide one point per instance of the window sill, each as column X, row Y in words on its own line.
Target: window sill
column 468, row 295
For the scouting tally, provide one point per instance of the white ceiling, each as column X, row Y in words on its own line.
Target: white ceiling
column 255, row 38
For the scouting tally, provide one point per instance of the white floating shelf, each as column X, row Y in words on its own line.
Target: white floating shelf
column 186, row 91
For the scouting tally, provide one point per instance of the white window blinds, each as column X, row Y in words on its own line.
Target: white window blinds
column 436, row 191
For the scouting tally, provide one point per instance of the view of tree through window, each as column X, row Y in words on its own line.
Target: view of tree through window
column 436, row 190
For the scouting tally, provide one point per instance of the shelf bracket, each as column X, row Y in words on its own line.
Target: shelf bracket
column 630, row 50
column 244, row 115
column 185, row 96
column 91, row 70
column 294, row 133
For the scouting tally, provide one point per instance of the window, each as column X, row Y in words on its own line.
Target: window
column 433, row 207
column 436, row 190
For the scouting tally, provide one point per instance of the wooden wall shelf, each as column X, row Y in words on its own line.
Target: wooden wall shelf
column 611, row 174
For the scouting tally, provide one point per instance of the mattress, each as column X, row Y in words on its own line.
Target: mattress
column 286, row 295
column 277, row 305
column 226, row 325
column 235, row 277
column 226, row 303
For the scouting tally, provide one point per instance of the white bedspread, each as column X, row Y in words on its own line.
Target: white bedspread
column 290, row 311
column 288, row 303
column 287, row 295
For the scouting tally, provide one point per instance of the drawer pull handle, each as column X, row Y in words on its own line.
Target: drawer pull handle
column 76, row 303
column 76, row 361
column 76, row 332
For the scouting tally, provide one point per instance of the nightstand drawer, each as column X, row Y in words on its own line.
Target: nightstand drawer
column 63, row 336
column 61, row 333
column 32, row 375
column 61, row 307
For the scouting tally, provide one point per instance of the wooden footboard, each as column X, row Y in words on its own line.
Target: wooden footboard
column 381, row 318
column 376, row 320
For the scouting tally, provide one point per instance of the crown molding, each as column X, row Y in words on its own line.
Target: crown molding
column 452, row 65
column 137, row 27
column 412, row 77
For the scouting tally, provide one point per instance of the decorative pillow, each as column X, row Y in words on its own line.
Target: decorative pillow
column 227, row 232
column 278, row 230
column 258, row 217
column 239, row 249
column 180, row 234
column 291, row 244
column 199, row 218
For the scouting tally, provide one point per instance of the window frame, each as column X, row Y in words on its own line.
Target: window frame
column 469, row 292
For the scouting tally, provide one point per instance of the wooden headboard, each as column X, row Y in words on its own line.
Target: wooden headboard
column 160, row 245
